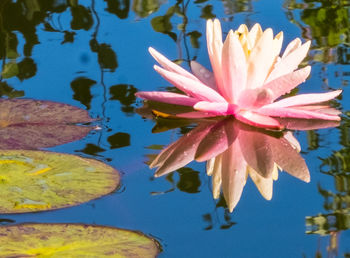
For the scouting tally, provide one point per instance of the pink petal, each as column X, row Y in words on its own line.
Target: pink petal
column 170, row 66
column 325, row 109
column 220, row 137
column 292, row 140
column 254, row 35
column 292, row 46
column 195, row 115
column 305, row 99
column 290, row 62
column 255, row 98
column 234, row 67
column 204, row 75
column 286, row 83
column 191, row 87
column 233, row 174
column 260, row 61
column 264, row 185
column 289, row 159
column 163, row 155
column 277, row 44
column 220, row 109
column 167, row 97
column 306, row 124
column 214, row 44
column 257, row 152
column 295, row 113
column 214, row 167
column 181, row 152
column 330, row 111
column 258, row 120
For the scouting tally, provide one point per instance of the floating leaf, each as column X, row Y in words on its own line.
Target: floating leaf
column 40, row 180
column 32, row 124
column 74, row 240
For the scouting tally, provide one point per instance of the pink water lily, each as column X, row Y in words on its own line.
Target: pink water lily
column 249, row 76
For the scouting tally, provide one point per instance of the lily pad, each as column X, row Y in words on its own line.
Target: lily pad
column 33, row 124
column 74, row 240
column 41, row 180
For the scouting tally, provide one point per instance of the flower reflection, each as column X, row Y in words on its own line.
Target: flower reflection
column 248, row 77
column 234, row 150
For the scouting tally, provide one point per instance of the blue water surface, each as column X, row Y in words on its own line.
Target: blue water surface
column 93, row 54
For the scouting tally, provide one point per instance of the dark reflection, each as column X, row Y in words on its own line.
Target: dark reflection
column 212, row 219
column 336, row 215
column 107, row 58
column 164, row 24
column 125, row 94
column 81, row 87
column 207, row 12
column 327, row 24
column 119, row 140
column 22, row 18
column 68, row 37
column 26, row 68
column 238, row 6
column 91, row 149
column 118, row 7
column 189, row 180
column 313, row 140
column 81, row 18
column 6, row 221
column 233, row 151
column 8, row 91
column 143, row 8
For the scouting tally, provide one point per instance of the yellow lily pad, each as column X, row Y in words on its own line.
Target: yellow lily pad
column 41, row 180
column 74, row 240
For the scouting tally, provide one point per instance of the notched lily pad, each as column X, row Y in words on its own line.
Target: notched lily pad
column 41, row 180
column 33, row 124
column 74, row 240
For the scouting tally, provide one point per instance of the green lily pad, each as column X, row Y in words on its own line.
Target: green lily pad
column 41, row 180
column 74, row 240
column 33, row 124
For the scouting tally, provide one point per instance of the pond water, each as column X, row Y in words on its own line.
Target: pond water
column 93, row 55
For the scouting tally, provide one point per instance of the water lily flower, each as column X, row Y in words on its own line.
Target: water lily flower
column 249, row 76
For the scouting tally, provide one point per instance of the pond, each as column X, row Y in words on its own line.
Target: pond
column 94, row 55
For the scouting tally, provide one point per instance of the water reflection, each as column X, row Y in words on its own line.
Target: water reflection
column 327, row 24
column 20, row 22
column 336, row 216
column 233, row 151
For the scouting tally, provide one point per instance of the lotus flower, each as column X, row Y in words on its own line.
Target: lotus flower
column 248, row 78
column 233, row 151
